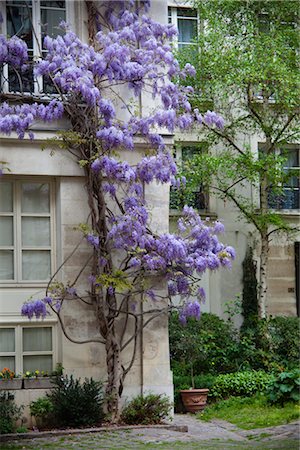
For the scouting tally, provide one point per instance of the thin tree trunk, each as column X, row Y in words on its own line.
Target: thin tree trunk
column 264, row 252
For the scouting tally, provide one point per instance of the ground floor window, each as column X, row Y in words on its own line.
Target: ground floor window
column 26, row 348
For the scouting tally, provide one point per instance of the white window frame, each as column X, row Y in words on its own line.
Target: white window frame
column 173, row 19
column 37, row 39
column 17, row 231
column 18, row 354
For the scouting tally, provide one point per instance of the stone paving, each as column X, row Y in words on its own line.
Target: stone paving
column 213, row 435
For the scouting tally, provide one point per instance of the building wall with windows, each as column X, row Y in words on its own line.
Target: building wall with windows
column 42, row 201
column 283, row 275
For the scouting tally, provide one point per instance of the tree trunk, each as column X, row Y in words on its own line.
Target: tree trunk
column 114, row 377
column 264, row 252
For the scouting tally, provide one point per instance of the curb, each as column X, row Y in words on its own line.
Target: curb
column 42, row 434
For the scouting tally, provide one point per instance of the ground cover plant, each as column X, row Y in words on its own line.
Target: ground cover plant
column 252, row 412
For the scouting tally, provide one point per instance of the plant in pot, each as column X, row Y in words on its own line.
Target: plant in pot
column 9, row 380
column 185, row 346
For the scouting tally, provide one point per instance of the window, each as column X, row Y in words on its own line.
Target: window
column 25, row 348
column 26, row 231
column 31, row 21
column 289, row 199
column 197, row 198
column 186, row 21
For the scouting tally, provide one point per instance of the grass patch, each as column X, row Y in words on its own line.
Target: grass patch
column 251, row 412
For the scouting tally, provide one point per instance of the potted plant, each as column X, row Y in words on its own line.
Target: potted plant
column 9, row 380
column 41, row 410
column 37, row 380
column 186, row 346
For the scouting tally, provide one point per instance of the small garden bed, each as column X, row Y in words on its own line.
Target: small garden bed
column 252, row 412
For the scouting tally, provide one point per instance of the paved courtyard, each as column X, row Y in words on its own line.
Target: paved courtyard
column 200, row 435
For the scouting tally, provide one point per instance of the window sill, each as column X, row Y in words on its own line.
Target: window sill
column 173, row 213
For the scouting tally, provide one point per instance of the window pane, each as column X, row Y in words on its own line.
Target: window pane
column 6, row 265
column 37, row 339
column 6, row 197
column 7, row 361
column 35, row 265
column 38, row 362
column 35, row 198
column 51, row 19
column 7, row 340
column 186, row 12
column 35, row 231
column 19, row 20
column 6, row 231
column 187, row 30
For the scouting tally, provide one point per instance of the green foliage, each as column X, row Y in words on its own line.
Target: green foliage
column 285, row 388
column 271, row 344
column 9, row 412
column 251, row 412
column 249, row 298
column 209, row 344
column 241, row 384
column 146, row 409
column 41, row 407
column 76, row 404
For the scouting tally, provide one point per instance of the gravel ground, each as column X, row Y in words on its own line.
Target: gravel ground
column 200, row 435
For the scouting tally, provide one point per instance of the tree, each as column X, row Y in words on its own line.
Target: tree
column 127, row 258
column 247, row 67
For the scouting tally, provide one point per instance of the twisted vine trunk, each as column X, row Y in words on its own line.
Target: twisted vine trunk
column 105, row 302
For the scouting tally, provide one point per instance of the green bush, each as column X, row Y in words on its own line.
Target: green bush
column 285, row 388
column 75, row 403
column 272, row 344
column 241, row 384
column 9, row 412
column 41, row 409
column 213, row 341
column 146, row 409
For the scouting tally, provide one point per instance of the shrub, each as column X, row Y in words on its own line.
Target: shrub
column 146, row 409
column 285, row 388
column 76, row 404
column 241, row 384
column 41, row 409
column 212, row 340
column 271, row 344
column 9, row 412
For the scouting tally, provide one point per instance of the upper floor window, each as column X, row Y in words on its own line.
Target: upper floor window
column 186, row 21
column 31, row 21
column 197, row 197
column 290, row 198
column 26, row 231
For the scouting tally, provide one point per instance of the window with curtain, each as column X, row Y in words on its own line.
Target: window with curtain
column 290, row 198
column 31, row 21
column 24, row 348
column 186, row 21
column 26, row 231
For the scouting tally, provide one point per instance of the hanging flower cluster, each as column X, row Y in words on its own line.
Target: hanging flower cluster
column 135, row 51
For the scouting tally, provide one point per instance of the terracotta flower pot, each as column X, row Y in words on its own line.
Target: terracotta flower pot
column 194, row 400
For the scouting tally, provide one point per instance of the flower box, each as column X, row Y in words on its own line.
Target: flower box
column 11, row 385
column 38, row 383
